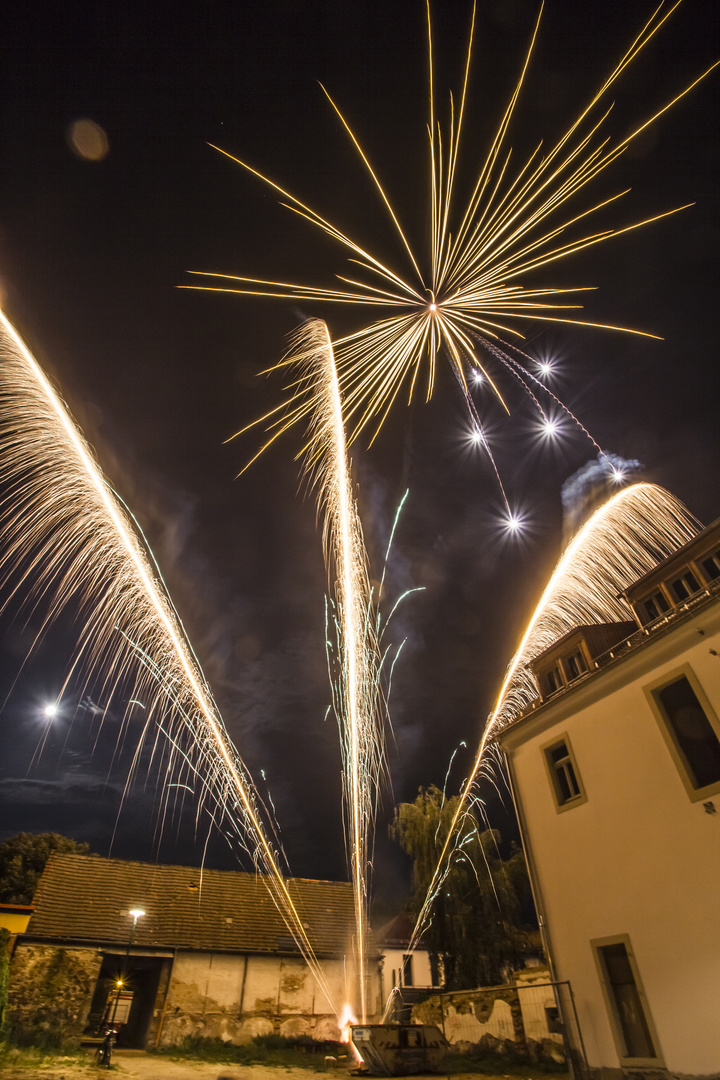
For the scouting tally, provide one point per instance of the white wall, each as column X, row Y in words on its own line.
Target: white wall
column 234, row 997
column 393, row 961
column 637, row 858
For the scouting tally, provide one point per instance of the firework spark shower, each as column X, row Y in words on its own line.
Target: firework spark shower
column 621, row 541
column 357, row 697
column 66, row 531
column 91, row 252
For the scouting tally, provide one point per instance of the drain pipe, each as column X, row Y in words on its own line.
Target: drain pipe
column 532, row 873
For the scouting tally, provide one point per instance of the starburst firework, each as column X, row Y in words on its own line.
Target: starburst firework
column 479, row 280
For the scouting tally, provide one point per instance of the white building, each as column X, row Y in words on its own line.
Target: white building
column 402, row 966
column 616, row 774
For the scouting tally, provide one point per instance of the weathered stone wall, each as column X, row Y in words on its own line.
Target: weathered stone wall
column 466, row 1017
column 507, row 1020
column 50, row 991
column 235, row 998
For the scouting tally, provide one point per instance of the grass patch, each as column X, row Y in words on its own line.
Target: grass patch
column 497, row 1066
column 305, row 1053
column 35, row 1057
column 300, row 1053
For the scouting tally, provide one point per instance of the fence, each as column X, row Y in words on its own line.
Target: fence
column 538, row 1016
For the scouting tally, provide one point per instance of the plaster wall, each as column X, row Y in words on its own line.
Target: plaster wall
column 13, row 922
column 637, row 858
column 462, row 1026
column 393, row 962
column 234, row 997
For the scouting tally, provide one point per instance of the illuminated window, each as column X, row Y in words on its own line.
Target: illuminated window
column 692, row 731
column 563, row 772
column 684, row 586
column 629, row 1014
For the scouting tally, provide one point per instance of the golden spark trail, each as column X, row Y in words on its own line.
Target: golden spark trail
column 67, row 535
column 621, row 541
column 356, row 694
column 479, row 280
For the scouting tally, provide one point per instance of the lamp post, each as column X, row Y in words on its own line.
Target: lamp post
column 137, row 913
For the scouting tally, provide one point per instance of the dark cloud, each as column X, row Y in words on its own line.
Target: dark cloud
column 66, row 789
column 90, row 259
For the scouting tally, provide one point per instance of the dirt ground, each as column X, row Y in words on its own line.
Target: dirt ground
column 137, row 1065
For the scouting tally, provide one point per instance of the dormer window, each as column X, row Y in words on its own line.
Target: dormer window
column 684, row 586
column 553, row 680
column 575, row 665
column 711, row 566
column 655, row 606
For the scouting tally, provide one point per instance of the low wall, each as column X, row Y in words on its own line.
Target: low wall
column 515, row 1020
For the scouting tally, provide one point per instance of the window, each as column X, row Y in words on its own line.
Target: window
column 629, row 1014
column 575, row 665
column 553, row 680
column 711, row 566
column 684, row 586
column 692, row 731
column 655, row 606
column 563, row 772
column 407, row 970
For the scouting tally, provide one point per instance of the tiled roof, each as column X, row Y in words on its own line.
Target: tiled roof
column 397, row 933
column 84, row 898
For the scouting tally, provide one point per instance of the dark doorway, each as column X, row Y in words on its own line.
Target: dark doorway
column 125, row 996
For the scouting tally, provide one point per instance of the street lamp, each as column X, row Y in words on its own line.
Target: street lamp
column 137, row 913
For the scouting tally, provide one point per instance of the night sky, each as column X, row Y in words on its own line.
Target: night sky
column 92, row 252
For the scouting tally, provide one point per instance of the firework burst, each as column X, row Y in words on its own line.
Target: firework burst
column 480, row 280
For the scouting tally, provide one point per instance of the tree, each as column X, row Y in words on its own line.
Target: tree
column 22, row 861
column 474, row 927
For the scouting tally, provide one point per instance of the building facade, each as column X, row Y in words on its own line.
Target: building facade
column 616, row 774
column 403, row 967
column 166, row 951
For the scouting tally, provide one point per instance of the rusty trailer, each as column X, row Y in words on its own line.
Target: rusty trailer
column 399, row 1049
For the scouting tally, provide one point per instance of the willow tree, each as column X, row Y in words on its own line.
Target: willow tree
column 474, row 933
